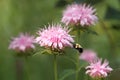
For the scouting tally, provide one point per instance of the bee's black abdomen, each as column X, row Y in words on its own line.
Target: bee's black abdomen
column 78, row 47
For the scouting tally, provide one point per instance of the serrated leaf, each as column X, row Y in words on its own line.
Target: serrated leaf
column 42, row 52
column 92, row 32
column 66, row 73
column 37, row 53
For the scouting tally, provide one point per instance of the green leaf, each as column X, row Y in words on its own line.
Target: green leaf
column 92, row 32
column 42, row 52
column 66, row 73
column 88, row 30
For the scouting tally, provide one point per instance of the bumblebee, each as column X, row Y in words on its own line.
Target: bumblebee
column 78, row 47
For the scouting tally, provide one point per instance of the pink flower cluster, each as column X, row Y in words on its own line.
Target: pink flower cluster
column 98, row 69
column 55, row 37
column 22, row 43
column 79, row 14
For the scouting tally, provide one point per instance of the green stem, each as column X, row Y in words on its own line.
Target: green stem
column 77, row 68
column 26, row 68
column 19, row 68
column 77, row 57
column 55, row 68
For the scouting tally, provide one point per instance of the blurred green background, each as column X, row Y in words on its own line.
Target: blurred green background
column 28, row 15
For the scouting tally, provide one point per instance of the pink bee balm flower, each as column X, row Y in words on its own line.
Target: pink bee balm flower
column 88, row 55
column 22, row 43
column 79, row 14
column 98, row 69
column 54, row 37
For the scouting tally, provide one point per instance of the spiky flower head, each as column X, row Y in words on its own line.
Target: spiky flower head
column 22, row 43
column 54, row 37
column 98, row 69
column 88, row 55
column 79, row 14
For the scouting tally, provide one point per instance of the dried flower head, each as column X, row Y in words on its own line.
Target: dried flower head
column 79, row 14
column 97, row 69
column 54, row 37
column 22, row 43
column 88, row 55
